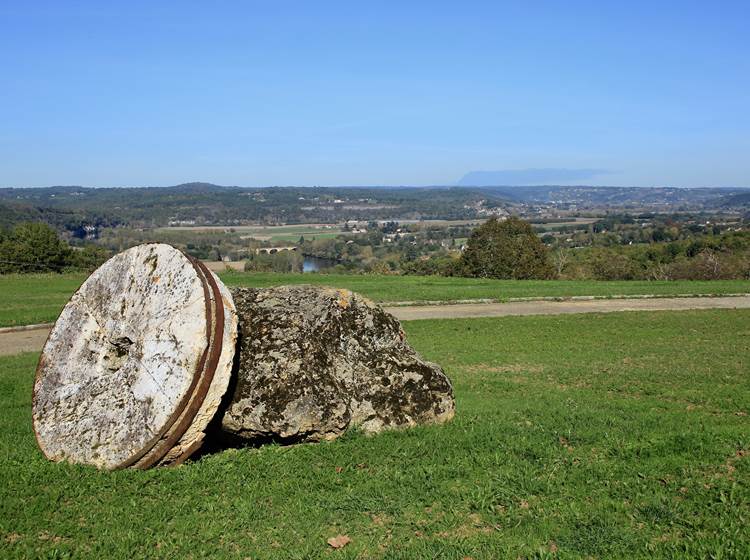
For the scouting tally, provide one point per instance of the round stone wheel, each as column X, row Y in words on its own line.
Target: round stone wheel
column 137, row 363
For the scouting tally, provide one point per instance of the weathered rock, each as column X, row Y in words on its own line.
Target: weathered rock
column 137, row 363
column 316, row 361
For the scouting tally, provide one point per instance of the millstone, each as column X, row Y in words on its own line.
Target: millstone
column 137, row 363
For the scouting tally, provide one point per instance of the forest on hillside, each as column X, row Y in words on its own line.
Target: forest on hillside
column 75, row 208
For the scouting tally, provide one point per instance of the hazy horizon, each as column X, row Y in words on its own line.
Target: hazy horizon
column 395, row 186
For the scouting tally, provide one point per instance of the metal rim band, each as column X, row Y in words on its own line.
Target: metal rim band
column 209, row 362
column 181, row 418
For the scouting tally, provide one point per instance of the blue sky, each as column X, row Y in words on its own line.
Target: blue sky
column 373, row 93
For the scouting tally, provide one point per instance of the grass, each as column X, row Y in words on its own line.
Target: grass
column 294, row 237
column 38, row 298
column 603, row 436
column 436, row 288
column 35, row 298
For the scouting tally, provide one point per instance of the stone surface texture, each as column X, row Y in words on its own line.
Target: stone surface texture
column 315, row 361
column 123, row 358
column 195, row 434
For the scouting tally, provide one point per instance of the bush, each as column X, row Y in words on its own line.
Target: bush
column 33, row 247
column 88, row 257
column 282, row 261
column 433, row 266
column 506, row 249
column 711, row 265
column 612, row 265
column 725, row 257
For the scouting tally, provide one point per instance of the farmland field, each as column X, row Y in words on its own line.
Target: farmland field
column 623, row 435
column 38, row 298
column 276, row 234
column 266, row 230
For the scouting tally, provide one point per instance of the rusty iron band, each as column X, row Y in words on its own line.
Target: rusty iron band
column 190, row 404
column 172, row 430
column 209, row 361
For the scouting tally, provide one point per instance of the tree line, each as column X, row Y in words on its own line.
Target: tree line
column 512, row 250
column 36, row 247
column 507, row 249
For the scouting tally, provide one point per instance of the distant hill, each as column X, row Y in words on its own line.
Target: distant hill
column 197, row 188
column 12, row 213
column 532, row 176
column 206, row 203
column 73, row 208
column 741, row 199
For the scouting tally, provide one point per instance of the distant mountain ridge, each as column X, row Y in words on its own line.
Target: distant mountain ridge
column 206, row 203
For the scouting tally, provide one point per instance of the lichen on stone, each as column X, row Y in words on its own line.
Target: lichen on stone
column 314, row 362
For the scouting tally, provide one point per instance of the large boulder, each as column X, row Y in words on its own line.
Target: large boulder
column 315, row 361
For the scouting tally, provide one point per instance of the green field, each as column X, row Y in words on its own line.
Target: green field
column 436, row 288
column 274, row 234
column 294, row 237
column 38, row 298
column 602, row 436
column 35, row 298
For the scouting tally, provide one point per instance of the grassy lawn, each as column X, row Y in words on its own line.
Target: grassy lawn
column 38, row 298
column 35, row 298
column 435, row 288
column 606, row 436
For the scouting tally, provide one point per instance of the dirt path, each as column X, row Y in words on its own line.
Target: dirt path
column 563, row 307
column 33, row 340
column 22, row 341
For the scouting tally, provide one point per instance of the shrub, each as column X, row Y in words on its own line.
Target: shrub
column 283, row 261
column 506, row 249
column 33, row 247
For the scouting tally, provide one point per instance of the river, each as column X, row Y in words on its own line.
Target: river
column 316, row 264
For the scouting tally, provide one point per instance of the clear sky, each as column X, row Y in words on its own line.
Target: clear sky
column 371, row 93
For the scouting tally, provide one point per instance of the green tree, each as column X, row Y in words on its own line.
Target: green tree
column 282, row 261
column 506, row 249
column 33, row 247
column 88, row 257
